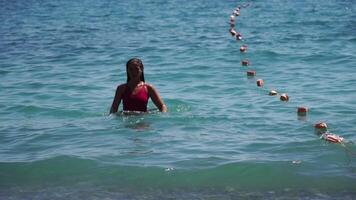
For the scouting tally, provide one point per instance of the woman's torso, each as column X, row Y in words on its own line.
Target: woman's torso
column 137, row 99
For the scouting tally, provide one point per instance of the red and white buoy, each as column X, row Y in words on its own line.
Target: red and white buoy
column 284, row 97
column 302, row 110
column 272, row 93
column 243, row 48
column 332, row 138
column 251, row 73
column 232, row 19
column 233, row 32
column 238, row 36
column 245, row 62
column 321, row 126
column 237, row 12
column 259, row 82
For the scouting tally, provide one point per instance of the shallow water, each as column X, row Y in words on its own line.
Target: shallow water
column 223, row 137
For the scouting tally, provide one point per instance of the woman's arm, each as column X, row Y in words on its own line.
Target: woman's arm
column 117, row 99
column 154, row 95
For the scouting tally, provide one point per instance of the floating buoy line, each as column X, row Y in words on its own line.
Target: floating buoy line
column 320, row 128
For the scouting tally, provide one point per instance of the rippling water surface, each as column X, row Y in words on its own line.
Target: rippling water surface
column 223, row 137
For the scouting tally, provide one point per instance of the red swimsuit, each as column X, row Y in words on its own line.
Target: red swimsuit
column 137, row 101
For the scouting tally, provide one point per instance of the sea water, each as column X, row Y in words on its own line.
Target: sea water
column 222, row 138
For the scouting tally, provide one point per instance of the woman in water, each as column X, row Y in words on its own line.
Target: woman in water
column 135, row 92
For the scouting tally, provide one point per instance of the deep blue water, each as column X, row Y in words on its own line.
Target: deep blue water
column 223, row 137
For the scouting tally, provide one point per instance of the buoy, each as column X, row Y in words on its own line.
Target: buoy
column 302, row 110
column 321, row 126
column 243, row 48
column 332, row 138
column 284, row 97
column 259, row 82
column 272, row 93
column 245, row 62
column 232, row 17
column 238, row 36
column 251, row 73
column 233, row 32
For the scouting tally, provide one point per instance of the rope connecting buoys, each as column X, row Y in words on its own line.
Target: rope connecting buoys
column 235, row 14
column 232, row 30
column 321, row 127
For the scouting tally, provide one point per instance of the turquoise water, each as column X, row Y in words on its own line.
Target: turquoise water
column 223, row 137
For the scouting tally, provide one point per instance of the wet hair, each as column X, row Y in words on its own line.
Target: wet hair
column 134, row 61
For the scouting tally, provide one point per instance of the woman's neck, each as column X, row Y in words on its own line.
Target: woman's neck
column 133, row 83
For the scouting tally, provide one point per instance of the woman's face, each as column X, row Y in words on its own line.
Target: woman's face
column 134, row 71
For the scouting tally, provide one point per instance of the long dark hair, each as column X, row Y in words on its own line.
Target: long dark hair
column 134, row 61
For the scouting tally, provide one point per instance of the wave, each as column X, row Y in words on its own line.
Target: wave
column 248, row 175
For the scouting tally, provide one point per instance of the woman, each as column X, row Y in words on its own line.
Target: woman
column 135, row 92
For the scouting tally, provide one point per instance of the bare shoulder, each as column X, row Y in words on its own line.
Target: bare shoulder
column 121, row 88
column 150, row 87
